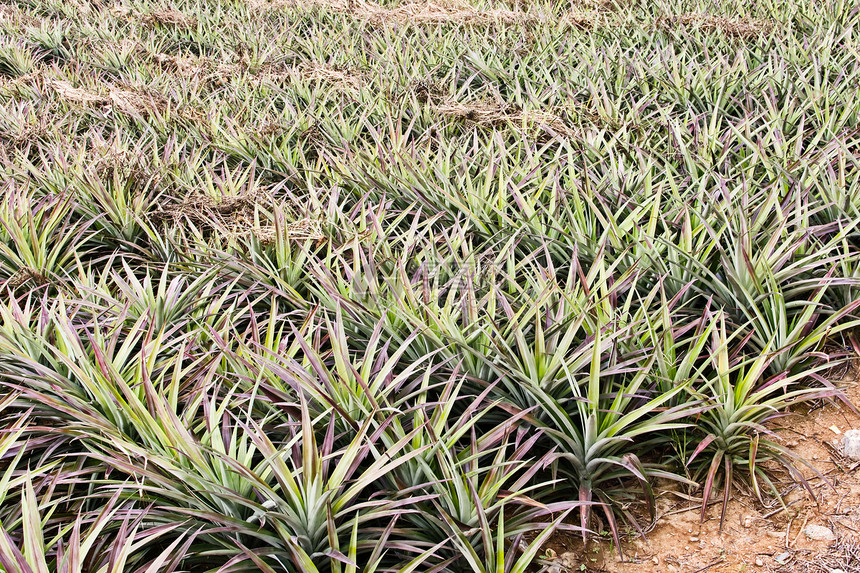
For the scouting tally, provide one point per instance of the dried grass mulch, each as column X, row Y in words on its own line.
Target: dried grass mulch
column 137, row 101
column 169, row 17
column 238, row 217
column 414, row 11
column 742, row 28
column 496, row 115
column 28, row 278
column 342, row 78
column 128, row 101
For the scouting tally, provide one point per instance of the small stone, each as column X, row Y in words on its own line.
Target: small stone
column 569, row 560
column 819, row 533
column 782, row 557
column 851, row 444
column 686, row 548
column 655, row 561
column 759, row 562
column 694, row 539
column 747, row 521
column 551, row 554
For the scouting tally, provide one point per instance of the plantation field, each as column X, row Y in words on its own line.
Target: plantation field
column 341, row 286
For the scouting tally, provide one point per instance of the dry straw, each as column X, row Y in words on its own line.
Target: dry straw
column 495, row 115
column 743, row 28
column 238, row 217
column 343, row 78
column 12, row 15
column 202, row 67
column 26, row 277
column 161, row 16
column 138, row 102
column 585, row 19
column 168, row 17
column 448, row 11
column 336, row 77
column 126, row 101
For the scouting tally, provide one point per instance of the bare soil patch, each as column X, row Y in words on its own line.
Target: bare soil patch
column 754, row 538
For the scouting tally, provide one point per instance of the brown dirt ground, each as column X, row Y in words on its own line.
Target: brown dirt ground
column 754, row 538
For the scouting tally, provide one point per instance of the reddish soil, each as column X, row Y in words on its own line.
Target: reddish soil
column 754, row 538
